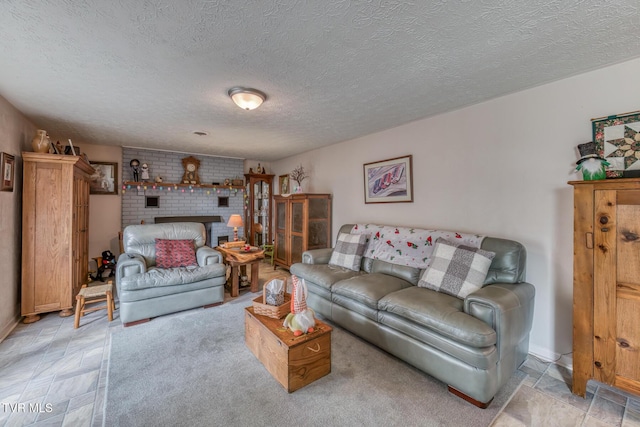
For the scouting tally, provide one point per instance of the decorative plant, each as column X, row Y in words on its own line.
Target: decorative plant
column 299, row 175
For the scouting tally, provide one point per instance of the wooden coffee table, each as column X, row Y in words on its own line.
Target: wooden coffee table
column 238, row 259
column 293, row 361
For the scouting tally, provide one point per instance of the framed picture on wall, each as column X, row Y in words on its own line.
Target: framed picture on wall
column 7, row 171
column 389, row 181
column 284, row 184
column 105, row 179
column 617, row 140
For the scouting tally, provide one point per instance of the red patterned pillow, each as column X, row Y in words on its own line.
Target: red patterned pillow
column 175, row 253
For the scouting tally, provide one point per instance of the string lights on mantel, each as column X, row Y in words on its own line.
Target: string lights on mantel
column 182, row 188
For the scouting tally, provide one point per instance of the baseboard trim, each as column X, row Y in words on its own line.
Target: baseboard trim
column 6, row 330
column 565, row 360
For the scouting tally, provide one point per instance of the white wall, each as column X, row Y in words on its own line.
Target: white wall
column 104, row 210
column 16, row 133
column 498, row 168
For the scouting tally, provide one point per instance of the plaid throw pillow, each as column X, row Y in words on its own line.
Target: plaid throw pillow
column 349, row 250
column 175, row 253
column 456, row 269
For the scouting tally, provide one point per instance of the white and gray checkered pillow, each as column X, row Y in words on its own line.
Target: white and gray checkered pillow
column 349, row 250
column 456, row 269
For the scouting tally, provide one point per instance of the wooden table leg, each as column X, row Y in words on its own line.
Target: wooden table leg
column 109, row 305
column 254, row 275
column 234, row 281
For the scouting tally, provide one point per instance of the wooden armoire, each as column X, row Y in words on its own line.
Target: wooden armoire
column 55, row 222
column 606, row 283
column 302, row 222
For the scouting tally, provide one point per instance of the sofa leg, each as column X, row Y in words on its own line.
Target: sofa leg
column 137, row 322
column 215, row 304
column 471, row 400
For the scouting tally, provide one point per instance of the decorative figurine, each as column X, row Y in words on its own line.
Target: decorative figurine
column 135, row 169
column 301, row 320
column 144, row 172
column 593, row 166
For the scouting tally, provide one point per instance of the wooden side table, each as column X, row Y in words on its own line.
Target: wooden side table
column 238, row 259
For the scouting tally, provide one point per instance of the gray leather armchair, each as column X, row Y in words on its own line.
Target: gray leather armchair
column 146, row 291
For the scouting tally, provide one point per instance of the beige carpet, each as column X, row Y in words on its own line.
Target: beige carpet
column 193, row 368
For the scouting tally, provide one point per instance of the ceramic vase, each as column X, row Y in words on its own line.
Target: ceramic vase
column 41, row 143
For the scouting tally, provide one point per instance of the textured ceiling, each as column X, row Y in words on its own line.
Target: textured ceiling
column 149, row 73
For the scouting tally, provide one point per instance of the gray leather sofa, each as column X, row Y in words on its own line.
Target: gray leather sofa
column 146, row 291
column 473, row 345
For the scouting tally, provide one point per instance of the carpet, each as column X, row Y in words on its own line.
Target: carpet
column 193, row 368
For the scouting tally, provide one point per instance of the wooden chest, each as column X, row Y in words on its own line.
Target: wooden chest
column 293, row 361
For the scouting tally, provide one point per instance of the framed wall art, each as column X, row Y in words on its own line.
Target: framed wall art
column 284, row 184
column 617, row 140
column 7, row 171
column 105, row 178
column 389, row 181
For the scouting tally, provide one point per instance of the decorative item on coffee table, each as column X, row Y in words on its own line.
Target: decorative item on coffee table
column 263, row 308
column 302, row 319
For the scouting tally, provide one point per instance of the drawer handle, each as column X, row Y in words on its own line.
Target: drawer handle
column 315, row 350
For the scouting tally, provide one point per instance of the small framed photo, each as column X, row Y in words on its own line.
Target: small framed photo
column 284, row 184
column 72, row 150
column 7, row 171
column 105, row 178
column 389, row 181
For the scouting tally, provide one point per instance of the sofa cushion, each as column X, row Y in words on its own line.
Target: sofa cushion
column 410, row 274
column 157, row 277
column 456, row 269
column 370, row 288
column 323, row 275
column 150, row 294
column 439, row 312
column 348, row 251
column 172, row 253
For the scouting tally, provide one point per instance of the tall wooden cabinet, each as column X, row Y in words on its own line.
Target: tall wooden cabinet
column 606, row 284
column 55, row 222
column 257, row 218
column 302, row 222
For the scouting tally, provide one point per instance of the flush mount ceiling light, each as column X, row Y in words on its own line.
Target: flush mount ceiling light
column 247, row 98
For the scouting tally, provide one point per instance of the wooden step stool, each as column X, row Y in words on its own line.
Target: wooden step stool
column 91, row 294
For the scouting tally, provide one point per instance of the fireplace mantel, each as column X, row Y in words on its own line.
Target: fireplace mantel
column 206, row 220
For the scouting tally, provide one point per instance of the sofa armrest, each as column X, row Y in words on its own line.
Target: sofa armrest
column 317, row 256
column 507, row 308
column 129, row 264
column 208, row 256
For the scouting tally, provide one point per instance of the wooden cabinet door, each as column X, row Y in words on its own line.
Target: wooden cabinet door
column 298, row 227
column 617, row 288
column 280, row 252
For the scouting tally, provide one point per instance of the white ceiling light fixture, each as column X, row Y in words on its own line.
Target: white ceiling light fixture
column 247, row 98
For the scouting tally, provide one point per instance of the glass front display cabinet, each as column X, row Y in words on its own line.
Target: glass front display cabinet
column 303, row 222
column 257, row 218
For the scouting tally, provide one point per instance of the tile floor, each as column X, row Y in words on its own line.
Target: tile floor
column 54, row 375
